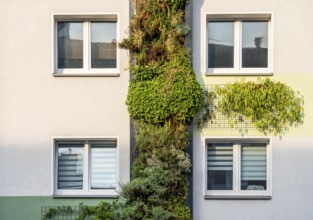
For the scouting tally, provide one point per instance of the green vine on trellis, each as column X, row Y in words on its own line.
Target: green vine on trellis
column 270, row 105
column 102, row 211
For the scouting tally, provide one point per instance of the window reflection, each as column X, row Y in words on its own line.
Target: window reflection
column 254, row 44
column 103, row 45
column 70, row 45
column 221, row 44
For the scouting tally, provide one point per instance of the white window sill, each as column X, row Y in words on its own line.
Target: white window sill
column 86, row 74
column 240, row 74
column 243, row 197
column 101, row 194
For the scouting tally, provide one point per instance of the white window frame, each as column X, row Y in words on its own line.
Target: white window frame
column 238, row 18
column 86, row 191
column 237, row 193
column 86, row 19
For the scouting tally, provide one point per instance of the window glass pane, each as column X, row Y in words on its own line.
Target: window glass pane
column 70, row 45
column 103, row 45
column 254, row 44
column 70, row 166
column 220, row 167
column 221, row 44
column 103, row 165
column 253, row 166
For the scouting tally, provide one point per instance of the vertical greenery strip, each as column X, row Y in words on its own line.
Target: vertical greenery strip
column 163, row 96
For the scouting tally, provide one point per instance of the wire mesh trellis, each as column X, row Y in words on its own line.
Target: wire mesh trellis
column 71, row 213
column 60, row 213
column 219, row 121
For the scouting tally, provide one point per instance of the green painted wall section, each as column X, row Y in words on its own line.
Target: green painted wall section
column 29, row 207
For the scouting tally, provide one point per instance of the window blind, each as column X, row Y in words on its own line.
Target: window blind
column 70, row 166
column 220, row 157
column 103, row 165
column 253, row 161
column 220, row 166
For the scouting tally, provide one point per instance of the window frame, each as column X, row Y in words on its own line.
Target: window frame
column 236, row 192
column 86, row 191
column 86, row 20
column 238, row 19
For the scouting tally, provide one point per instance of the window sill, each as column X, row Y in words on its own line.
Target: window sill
column 107, row 196
column 86, row 74
column 239, row 74
column 239, row 197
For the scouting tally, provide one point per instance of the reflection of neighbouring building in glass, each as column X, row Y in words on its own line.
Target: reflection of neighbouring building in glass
column 103, row 55
column 252, row 57
column 70, row 46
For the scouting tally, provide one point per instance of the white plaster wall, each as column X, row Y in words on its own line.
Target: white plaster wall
column 292, row 159
column 35, row 106
column 292, row 192
column 291, row 26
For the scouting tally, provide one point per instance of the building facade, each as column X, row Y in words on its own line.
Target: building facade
column 63, row 86
column 256, row 176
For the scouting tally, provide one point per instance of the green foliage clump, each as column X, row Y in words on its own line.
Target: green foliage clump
column 102, row 211
column 60, row 210
column 153, row 98
column 207, row 113
column 159, row 186
column 164, row 86
column 271, row 106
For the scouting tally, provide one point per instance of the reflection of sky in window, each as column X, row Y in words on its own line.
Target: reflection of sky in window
column 73, row 29
column 252, row 30
column 221, row 32
column 103, row 32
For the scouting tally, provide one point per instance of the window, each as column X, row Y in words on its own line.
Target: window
column 237, row 168
column 238, row 44
column 85, row 45
column 85, row 167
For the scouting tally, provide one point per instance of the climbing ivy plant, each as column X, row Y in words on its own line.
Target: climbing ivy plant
column 271, row 106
